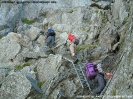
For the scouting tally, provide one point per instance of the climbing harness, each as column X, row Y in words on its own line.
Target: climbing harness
column 80, row 73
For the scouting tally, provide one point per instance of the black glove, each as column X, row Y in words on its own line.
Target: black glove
column 65, row 43
column 42, row 32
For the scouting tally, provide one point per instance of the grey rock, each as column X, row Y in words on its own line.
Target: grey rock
column 15, row 86
column 32, row 33
column 49, row 67
column 9, row 50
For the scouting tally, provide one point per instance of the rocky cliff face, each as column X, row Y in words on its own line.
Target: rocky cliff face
column 105, row 32
column 121, row 84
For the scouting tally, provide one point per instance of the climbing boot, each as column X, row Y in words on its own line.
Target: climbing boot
column 75, row 59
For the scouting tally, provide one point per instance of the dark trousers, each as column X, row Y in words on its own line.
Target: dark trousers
column 101, row 82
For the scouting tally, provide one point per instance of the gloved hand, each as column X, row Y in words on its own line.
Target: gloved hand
column 41, row 32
